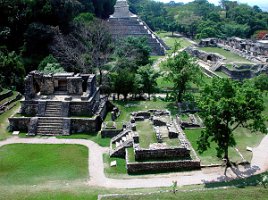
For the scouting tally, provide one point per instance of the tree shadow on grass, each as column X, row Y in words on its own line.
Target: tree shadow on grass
column 240, row 179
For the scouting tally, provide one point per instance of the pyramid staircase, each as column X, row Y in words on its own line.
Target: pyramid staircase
column 123, row 23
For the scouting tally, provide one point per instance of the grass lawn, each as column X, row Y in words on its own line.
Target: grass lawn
column 119, row 169
column 95, row 137
column 233, row 193
column 147, row 134
column 243, row 138
column 4, row 120
column 209, row 156
column 38, row 163
column 230, row 57
column 164, row 84
column 171, row 40
column 131, row 154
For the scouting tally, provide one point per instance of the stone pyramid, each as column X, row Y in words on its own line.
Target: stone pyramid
column 123, row 23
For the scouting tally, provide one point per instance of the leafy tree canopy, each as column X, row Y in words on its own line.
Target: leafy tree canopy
column 226, row 105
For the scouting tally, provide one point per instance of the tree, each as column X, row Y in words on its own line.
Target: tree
column 182, row 70
column 146, row 79
column 122, row 82
column 85, row 49
column 226, row 105
column 260, row 82
column 132, row 52
column 11, row 70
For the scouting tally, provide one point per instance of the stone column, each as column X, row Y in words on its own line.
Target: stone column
column 75, row 85
column 47, row 85
column 29, row 88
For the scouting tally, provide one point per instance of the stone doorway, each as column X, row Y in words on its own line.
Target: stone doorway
column 62, row 85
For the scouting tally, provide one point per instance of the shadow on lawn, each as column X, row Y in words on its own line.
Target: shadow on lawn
column 243, row 178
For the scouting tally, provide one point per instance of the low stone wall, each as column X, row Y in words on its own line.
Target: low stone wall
column 29, row 108
column 161, row 166
column 80, row 109
column 90, row 125
column 143, row 154
column 6, row 95
column 19, row 123
column 109, row 133
column 236, row 74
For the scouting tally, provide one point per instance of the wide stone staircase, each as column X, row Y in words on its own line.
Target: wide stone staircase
column 53, row 109
column 52, row 122
column 120, row 142
column 49, row 126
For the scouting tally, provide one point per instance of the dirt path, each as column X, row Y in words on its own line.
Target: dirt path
column 98, row 178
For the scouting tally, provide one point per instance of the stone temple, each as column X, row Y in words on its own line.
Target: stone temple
column 60, row 104
column 123, row 23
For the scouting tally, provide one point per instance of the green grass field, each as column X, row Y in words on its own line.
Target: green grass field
column 171, row 40
column 230, row 57
column 113, row 172
column 4, row 120
column 24, row 164
column 243, row 138
column 230, row 194
column 147, row 134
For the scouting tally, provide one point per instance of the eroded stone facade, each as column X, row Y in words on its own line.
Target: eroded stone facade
column 60, row 104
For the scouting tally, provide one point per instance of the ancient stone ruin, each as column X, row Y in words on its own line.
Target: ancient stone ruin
column 60, row 104
column 168, row 149
column 123, row 23
column 255, row 52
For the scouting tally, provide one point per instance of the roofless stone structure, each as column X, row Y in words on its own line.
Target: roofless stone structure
column 60, row 104
column 123, row 23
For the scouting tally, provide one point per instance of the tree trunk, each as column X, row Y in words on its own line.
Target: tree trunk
column 100, row 81
column 179, row 96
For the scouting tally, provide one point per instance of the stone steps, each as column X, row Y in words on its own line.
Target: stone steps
column 53, row 109
column 49, row 126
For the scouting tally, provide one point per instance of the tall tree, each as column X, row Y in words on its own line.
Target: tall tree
column 122, row 82
column 182, row 70
column 132, row 52
column 226, row 105
column 146, row 79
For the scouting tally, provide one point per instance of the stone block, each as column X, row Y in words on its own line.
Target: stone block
column 74, row 85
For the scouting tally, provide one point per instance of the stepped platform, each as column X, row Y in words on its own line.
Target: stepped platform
column 60, row 104
column 123, row 23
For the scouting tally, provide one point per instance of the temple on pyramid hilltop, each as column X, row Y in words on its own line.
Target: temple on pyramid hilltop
column 123, row 23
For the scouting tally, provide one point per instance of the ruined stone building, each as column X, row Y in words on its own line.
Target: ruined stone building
column 60, row 104
column 169, row 150
column 123, row 23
